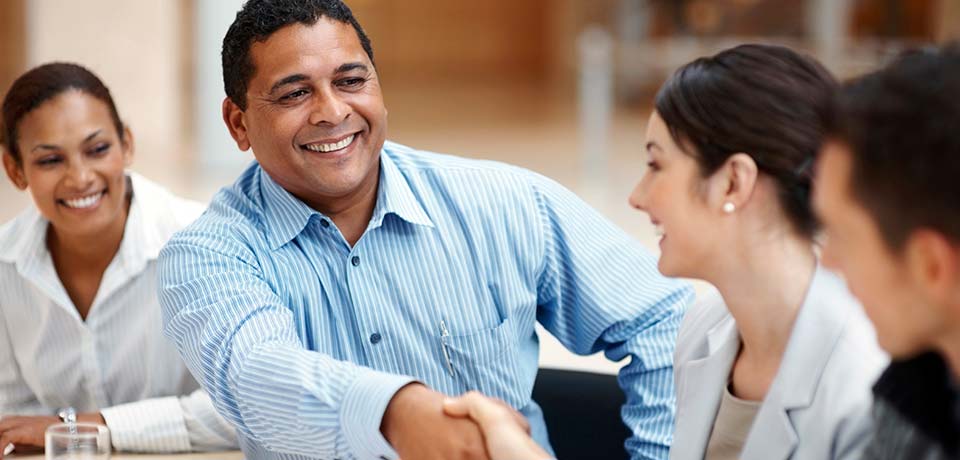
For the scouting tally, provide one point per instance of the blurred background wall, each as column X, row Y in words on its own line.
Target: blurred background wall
column 559, row 86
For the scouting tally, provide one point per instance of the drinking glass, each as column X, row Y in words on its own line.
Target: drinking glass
column 77, row 441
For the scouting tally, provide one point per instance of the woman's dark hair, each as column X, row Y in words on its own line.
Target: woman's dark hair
column 761, row 100
column 43, row 83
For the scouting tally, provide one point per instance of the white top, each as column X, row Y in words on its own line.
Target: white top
column 818, row 405
column 117, row 361
column 734, row 419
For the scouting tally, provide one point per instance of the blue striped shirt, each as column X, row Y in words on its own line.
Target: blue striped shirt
column 302, row 340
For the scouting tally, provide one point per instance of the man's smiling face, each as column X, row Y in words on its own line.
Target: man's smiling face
column 315, row 116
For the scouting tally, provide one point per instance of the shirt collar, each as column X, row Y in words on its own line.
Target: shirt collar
column 148, row 205
column 24, row 238
column 287, row 216
column 395, row 196
column 23, row 243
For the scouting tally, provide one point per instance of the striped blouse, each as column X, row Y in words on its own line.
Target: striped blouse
column 302, row 340
column 116, row 362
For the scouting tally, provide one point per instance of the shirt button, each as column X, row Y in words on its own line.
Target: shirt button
column 375, row 338
column 324, row 223
column 355, row 261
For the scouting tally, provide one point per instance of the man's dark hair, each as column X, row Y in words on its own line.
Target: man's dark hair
column 43, row 83
column 761, row 100
column 902, row 127
column 258, row 19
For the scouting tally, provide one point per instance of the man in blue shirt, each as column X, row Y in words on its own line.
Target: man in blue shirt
column 332, row 296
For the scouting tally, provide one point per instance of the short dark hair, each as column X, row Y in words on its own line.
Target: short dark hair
column 43, row 83
column 761, row 100
column 901, row 125
column 258, row 19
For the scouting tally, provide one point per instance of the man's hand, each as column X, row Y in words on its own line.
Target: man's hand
column 506, row 432
column 415, row 425
column 26, row 432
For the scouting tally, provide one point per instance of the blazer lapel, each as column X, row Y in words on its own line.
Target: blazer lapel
column 698, row 395
column 772, row 436
column 819, row 325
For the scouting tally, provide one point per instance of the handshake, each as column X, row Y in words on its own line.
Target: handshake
column 424, row 424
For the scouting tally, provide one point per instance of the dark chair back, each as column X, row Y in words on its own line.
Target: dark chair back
column 582, row 411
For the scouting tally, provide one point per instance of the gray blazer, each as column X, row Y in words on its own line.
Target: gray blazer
column 818, row 405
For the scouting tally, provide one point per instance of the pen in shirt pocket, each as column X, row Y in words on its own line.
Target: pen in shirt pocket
column 444, row 336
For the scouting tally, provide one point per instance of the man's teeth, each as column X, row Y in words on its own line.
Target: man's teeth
column 330, row 147
column 658, row 230
column 84, row 202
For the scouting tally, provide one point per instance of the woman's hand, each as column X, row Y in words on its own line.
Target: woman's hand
column 506, row 432
column 26, row 432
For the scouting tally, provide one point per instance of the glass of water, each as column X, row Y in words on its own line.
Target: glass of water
column 77, row 441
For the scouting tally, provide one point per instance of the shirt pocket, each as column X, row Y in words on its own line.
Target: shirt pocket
column 488, row 361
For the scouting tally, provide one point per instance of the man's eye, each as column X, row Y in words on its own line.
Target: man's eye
column 294, row 95
column 352, row 82
column 653, row 166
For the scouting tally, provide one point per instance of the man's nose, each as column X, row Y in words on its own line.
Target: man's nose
column 329, row 108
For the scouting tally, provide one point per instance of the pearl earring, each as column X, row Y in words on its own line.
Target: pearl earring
column 729, row 207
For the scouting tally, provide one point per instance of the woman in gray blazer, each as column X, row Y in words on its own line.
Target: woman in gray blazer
column 780, row 362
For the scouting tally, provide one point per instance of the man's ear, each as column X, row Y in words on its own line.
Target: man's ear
column 233, row 117
column 933, row 264
column 733, row 183
column 14, row 170
column 128, row 145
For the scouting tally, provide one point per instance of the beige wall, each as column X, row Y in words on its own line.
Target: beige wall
column 135, row 47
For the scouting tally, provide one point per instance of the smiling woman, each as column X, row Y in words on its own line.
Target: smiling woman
column 731, row 145
column 77, row 277
column 74, row 169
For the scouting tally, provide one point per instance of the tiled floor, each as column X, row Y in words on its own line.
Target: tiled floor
column 529, row 127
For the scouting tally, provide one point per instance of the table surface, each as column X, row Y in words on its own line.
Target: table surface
column 232, row 455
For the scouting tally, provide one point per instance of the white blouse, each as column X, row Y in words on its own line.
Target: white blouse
column 116, row 362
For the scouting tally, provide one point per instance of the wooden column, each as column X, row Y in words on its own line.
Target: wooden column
column 13, row 42
column 947, row 20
